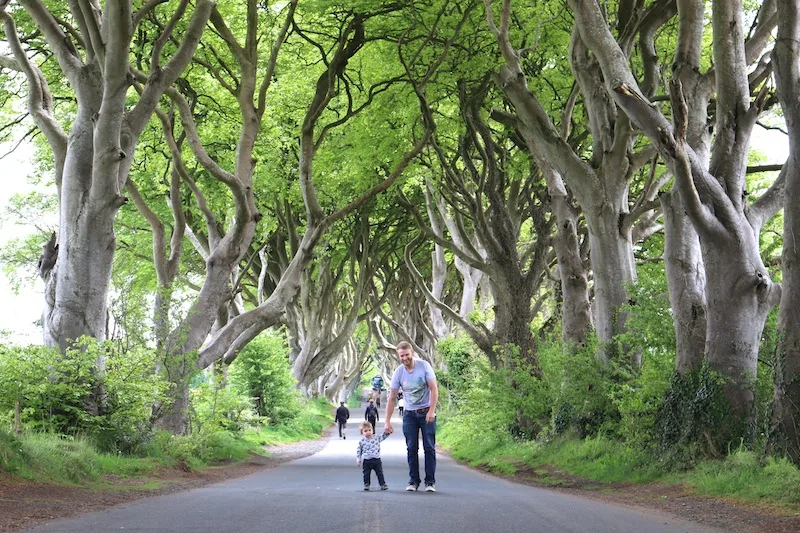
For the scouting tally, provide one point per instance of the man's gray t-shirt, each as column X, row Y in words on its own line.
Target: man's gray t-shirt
column 414, row 384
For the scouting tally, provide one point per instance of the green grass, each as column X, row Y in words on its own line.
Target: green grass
column 49, row 458
column 743, row 476
column 599, row 459
column 45, row 457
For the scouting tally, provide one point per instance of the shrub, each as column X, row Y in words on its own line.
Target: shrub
column 52, row 390
column 262, row 372
column 459, row 354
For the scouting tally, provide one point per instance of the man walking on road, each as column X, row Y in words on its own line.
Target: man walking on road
column 371, row 414
column 421, row 392
column 342, row 414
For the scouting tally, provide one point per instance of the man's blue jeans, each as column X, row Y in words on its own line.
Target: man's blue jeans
column 413, row 423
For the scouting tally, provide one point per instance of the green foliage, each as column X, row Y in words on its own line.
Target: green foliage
column 693, row 408
column 50, row 387
column 498, row 405
column 585, row 390
column 201, row 448
column 12, row 453
column 312, row 418
column 650, row 331
column 599, row 458
column 52, row 390
column 649, row 325
column 639, row 400
column 49, row 457
column 262, row 372
column 458, row 354
column 222, row 408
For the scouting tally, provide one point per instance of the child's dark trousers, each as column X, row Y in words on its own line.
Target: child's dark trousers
column 373, row 464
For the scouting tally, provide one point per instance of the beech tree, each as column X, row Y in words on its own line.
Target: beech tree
column 739, row 291
column 786, row 408
column 496, row 201
column 93, row 156
column 333, row 300
column 599, row 182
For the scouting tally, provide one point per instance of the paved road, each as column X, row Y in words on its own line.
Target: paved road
column 324, row 493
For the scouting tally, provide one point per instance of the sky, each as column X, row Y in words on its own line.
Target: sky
column 18, row 312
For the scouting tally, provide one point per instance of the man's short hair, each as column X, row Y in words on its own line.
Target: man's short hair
column 404, row 345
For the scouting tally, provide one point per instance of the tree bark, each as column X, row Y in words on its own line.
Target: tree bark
column 786, row 408
column 576, row 316
column 686, row 282
column 739, row 291
column 683, row 259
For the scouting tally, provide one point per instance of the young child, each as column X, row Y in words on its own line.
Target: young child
column 369, row 453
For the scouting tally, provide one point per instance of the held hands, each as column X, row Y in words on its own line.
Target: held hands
column 387, row 428
column 358, row 462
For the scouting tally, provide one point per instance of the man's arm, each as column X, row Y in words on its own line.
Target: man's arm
column 387, row 419
column 434, row 387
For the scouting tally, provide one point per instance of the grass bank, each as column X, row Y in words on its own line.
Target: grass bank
column 75, row 460
column 742, row 476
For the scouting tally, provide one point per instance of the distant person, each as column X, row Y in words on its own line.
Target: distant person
column 342, row 414
column 421, row 393
column 401, row 403
column 368, row 455
column 377, row 387
column 371, row 414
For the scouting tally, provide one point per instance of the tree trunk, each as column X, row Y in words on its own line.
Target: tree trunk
column 683, row 260
column 79, row 281
column 17, row 416
column 786, row 409
column 686, row 281
column 512, row 326
column 438, row 276
column 739, row 290
column 576, row 316
column 738, row 305
column 612, row 263
column 175, row 416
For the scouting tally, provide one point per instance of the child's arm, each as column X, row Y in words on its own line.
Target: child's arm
column 359, row 451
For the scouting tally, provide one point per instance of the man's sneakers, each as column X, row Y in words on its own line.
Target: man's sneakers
column 366, row 487
column 384, row 487
column 429, row 487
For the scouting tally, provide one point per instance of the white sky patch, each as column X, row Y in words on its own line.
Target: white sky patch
column 18, row 312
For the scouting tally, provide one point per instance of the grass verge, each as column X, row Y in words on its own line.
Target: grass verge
column 742, row 476
column 74, row 460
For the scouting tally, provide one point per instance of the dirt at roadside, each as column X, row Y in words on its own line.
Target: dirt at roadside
column 24, row 504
